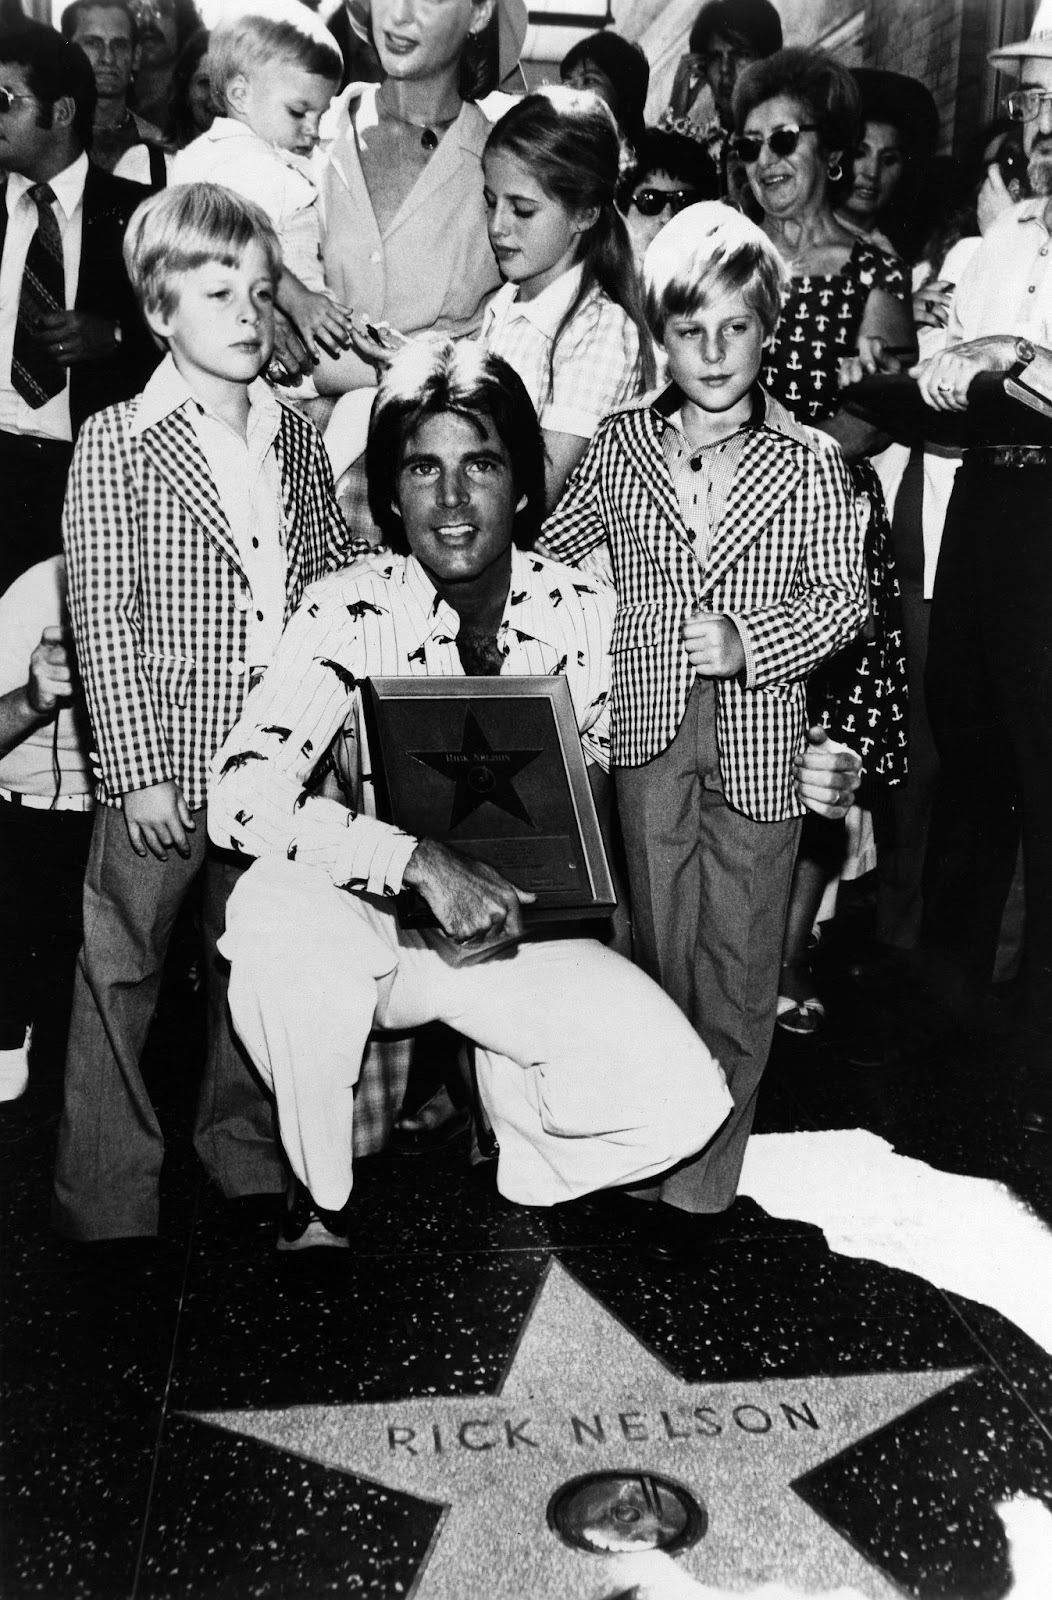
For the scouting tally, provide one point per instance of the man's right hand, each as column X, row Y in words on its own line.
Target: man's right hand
column 50, row 682
column 158, row 819
column 472, row 902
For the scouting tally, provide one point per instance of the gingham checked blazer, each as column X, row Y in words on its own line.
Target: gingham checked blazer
column 785, row 563
column 157, row 594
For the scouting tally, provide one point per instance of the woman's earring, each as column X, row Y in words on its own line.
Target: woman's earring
column 834, row 171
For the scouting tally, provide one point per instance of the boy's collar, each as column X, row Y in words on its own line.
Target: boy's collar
column 765, row 412
column 166, row 390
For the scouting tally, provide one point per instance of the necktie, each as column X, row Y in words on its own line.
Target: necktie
column 35, row 373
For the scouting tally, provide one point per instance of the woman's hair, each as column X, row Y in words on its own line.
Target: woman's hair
column 567, row 140
column 190, row 57
column 755, row 22
column 707, row 251
column 825, row 91
column 435, row 375
column 628, row 70
column 684, row 159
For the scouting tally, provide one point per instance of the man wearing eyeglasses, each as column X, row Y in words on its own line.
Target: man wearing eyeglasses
column 989, row 677
column 71, row 340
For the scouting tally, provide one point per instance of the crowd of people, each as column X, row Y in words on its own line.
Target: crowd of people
column 329, row 353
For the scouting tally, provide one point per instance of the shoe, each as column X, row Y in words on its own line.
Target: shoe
column 800, row 1016
column 305, row 1226
column 1035, row 1119
column 14, row 1069
column 412, row 1138
column 679, row 1236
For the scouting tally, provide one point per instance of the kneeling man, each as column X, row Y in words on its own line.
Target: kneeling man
column 589, row 1074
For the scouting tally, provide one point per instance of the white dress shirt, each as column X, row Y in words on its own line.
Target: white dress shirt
column 51, row 420
column 248, row 481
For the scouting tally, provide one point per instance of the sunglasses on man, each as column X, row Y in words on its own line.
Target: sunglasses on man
column 651, row 202
column 9, row 99
column 1024, row 105
column 780, row 141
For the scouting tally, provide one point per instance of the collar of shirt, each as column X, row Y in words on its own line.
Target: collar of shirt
column 547, row 309
column 766, row 413
column 167, row 390
column 522, row 615
column 67, row 186
column 1033, row 210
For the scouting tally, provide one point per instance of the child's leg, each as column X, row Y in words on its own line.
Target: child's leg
column 709, row 892
column 110, row 1145
column 234, row 1133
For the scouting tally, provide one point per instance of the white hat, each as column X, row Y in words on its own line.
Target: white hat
column 1038, row 46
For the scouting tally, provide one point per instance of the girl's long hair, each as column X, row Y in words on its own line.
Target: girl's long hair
column 567, row 140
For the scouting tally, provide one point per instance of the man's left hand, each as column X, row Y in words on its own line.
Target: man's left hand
column 827, row 774
column 76, row 336
column 944, row 379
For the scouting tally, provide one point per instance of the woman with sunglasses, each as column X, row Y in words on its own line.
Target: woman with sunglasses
column 669, row 172
column 797, row 116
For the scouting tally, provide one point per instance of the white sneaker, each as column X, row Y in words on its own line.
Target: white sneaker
column 14, row 1069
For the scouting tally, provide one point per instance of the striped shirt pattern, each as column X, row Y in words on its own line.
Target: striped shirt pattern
column 157, row 593
column 785, row 563
column 382, row 617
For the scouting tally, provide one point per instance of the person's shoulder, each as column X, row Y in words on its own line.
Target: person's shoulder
column 105, row 192
column 109, row 425
column 878, row 268
column 369, row 578
column 40, row 589
column 558, row 584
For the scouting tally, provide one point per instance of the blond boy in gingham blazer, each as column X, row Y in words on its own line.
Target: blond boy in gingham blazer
column 785, row 560
column 158, row 595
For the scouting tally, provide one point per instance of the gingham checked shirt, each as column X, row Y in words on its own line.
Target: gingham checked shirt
column 158, row 595
column 784, row 562
column 595, row 364
column 382, row 617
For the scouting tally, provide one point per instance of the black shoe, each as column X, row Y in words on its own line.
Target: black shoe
column 305, row 1226
column 683, row 1236
column 412, row 1138
column 1035, row 1119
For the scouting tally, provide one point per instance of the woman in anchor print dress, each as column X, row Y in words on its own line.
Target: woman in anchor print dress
column 797, row 119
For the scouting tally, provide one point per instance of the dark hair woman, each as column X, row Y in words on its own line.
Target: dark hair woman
column 797, row 116
column 900, row 130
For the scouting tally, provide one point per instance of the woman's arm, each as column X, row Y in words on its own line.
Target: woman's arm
column 888, row 319
column 562, row 453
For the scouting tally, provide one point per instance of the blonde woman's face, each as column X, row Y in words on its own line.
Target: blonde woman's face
column 420, row 39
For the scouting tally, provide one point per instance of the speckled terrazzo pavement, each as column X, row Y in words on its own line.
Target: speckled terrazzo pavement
column 203, row 1418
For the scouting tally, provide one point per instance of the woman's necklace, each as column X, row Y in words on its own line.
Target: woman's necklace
column 430, row 132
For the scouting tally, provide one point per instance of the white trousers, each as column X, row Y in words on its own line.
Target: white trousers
column 588, row 1073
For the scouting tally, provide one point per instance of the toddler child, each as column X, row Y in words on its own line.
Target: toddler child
column 737, row 555
column 273, row 68
column 196, row 514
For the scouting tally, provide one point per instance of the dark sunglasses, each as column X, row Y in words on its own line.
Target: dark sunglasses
column 782, row 141
column 9, row 99
column 651, row 202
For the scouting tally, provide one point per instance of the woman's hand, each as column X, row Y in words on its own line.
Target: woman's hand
column 931, row 303
column 874, row 355
column 375, row 342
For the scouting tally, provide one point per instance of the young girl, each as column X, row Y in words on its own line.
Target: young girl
column 569, row 318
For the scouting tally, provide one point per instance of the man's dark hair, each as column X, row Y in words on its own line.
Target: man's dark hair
column 754, row 23
column 429, row 378
column 68, row 22
column 55, row 68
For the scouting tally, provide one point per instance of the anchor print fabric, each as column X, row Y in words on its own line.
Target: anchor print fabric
column 860, row 693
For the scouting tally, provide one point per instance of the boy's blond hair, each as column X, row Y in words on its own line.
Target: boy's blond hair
column 266, row 31
column 707, row 251
column 185, row 227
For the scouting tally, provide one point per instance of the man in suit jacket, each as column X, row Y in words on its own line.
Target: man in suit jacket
column 92, row 333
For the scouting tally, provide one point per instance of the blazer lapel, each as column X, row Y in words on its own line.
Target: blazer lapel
column 643, row 444
column 768, row 473
column 293, row 482
column 171, row 447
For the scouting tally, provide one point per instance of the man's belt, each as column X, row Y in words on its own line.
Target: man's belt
column 44, row 802
column 1011, row 455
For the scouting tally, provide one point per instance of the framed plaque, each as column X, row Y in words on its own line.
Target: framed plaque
column 492, row 767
